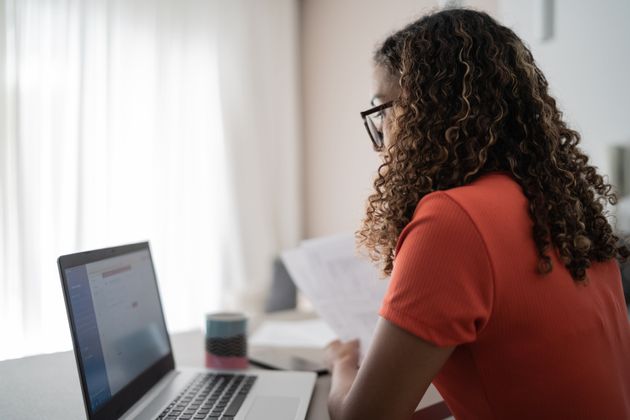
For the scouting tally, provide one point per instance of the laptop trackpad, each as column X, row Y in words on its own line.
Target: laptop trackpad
column 277, row 408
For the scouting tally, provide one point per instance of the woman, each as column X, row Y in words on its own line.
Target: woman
column 504, row 290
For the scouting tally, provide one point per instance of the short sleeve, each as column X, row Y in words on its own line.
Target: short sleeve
column 441, row 287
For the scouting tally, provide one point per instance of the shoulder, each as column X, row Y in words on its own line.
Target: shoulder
column 437, row 214
column 492, row 188
column 475, row 206
column 441, row 266
column 442, row 229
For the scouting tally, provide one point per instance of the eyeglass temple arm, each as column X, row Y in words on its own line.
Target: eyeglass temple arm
column 376, row 109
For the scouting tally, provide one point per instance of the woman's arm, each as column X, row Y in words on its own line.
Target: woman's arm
column 392, row 379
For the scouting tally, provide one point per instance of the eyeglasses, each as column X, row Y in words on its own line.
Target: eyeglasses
column 373, row 120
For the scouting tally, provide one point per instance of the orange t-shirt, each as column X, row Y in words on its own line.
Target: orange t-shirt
column 528, row 346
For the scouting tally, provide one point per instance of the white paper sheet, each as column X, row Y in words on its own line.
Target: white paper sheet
column 306, row 333
column 345, row 290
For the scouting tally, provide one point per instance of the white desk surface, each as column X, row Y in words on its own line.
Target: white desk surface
column 47, row 386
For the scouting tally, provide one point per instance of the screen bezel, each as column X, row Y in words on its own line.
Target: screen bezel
column 131, row 393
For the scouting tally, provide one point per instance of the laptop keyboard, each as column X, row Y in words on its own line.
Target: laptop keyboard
column 213, row 396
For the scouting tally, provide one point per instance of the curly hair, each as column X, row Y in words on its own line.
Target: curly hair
column 473, row 101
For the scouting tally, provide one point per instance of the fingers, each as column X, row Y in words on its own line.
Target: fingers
column 339, row 347
column 341, row 352
column 334, row 343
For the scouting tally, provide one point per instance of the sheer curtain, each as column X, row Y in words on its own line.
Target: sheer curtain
column 169, row 121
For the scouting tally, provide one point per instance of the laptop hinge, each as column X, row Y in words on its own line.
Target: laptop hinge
column 148, row 398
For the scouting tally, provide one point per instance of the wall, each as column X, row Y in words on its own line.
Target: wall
column 587, row 64
column 338, row 39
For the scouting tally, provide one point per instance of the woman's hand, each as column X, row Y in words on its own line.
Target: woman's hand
column 342, row 360
column 342, row 353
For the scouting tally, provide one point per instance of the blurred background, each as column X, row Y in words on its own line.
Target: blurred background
column 224, row 131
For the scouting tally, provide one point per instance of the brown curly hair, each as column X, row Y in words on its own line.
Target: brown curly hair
column 473, row 101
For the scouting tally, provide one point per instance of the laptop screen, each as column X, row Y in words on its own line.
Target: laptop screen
column 117, row 321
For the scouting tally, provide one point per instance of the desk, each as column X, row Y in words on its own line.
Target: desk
column 47, row 386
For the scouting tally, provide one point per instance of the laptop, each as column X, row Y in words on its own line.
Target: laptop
column 124, row 355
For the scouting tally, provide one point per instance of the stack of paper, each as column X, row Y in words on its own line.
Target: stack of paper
column 345, row 289
column 307, row 333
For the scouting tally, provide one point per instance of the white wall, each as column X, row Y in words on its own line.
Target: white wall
column 338, row 39
column 587, row 64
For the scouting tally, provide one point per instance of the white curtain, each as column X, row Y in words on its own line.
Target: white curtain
column 161, row 120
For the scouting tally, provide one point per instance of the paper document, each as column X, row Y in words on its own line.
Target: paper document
column 345, row 289
column 306, row 333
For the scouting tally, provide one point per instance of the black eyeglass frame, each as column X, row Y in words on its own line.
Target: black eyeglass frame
column 379, row 143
